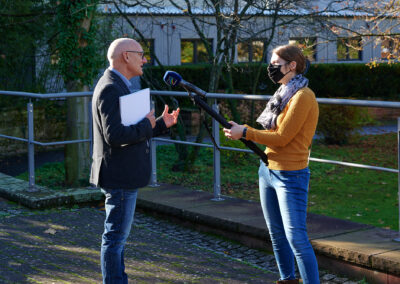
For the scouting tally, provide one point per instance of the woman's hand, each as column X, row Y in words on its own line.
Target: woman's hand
column 236, row 132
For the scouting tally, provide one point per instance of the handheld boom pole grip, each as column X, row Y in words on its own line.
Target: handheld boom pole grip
column 226, row 124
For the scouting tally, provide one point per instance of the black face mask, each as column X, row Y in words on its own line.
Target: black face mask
column 275, row 74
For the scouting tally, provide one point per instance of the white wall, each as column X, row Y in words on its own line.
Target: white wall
column 167, row 32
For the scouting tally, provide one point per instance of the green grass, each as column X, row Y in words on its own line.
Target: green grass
column 360, row 195
column 52, row 175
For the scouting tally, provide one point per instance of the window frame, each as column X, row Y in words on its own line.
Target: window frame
column 345, row 40
column 150, row 51
column 249, row 50
column 195, row 54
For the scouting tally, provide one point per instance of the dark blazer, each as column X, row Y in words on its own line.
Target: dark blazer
column 121, row 154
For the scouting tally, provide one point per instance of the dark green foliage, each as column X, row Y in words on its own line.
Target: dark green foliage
column 349, row 81
column 355, row 81
column 352, row 80
column 78, row 54
column 337, row 123
column 22, row 25
column 198, row 73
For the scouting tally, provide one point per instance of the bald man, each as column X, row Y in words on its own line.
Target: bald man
column 121, row 154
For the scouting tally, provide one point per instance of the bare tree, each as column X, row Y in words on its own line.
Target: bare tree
column 233, row 22
column 370, row 22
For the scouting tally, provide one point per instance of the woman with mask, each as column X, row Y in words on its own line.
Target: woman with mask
column 289, row 121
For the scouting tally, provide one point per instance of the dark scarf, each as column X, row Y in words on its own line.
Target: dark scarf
column 279, row 100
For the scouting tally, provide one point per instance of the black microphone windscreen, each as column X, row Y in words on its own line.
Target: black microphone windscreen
column 172, row 78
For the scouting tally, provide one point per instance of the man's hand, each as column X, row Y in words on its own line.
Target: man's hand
column 150, row 116
column 236, row 132
column 170, row 119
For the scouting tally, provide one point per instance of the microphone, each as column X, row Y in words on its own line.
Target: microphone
column 173, row 79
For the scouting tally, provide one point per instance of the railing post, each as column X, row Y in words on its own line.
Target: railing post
column 217, row 157
column 153, row 157
column 31, row 149
column 90, row 129
column 398, row 175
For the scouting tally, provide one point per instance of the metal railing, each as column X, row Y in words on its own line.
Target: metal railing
column 31, row 137
column 215, row 130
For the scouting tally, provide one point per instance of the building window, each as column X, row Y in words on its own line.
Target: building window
column 349, row 49
column 194, row 51
column 148, row 48
column 250, row 51
column 308, row 45
column 390, row 48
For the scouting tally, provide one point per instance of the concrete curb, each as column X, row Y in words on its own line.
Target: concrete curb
column 321, row 246
column 16, row 190
column 341, row 246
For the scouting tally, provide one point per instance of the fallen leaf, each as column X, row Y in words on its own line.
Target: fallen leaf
column 50, row 231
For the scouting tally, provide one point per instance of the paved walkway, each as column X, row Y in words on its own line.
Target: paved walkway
column 62, row 246
column 344, row 247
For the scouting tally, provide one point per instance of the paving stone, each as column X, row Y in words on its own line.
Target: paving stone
column 328, row 277
column 340, row 280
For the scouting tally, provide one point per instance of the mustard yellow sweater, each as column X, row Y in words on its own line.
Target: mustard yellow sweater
column 288, row 146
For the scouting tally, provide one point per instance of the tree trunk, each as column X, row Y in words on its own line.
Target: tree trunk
column 77, row 156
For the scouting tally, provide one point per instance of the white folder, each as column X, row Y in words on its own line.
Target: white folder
column 134, row 107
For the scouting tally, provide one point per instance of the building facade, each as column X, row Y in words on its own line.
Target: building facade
column 171, row 36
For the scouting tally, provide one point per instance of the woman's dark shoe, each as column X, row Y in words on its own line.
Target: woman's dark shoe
column 294, row 281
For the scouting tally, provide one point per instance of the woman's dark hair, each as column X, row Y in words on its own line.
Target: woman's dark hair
column 291, row 53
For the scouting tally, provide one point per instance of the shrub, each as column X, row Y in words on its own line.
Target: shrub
column 345, row 80
column 337, row 123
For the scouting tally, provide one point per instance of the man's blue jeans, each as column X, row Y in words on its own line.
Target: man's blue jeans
column 120, row 210
column 283, row 196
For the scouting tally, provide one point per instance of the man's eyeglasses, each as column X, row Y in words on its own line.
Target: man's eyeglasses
column 141, row 53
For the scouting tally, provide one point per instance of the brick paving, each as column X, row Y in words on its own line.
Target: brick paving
column 62, row 246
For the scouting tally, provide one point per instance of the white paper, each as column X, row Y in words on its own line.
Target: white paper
column 134, row 107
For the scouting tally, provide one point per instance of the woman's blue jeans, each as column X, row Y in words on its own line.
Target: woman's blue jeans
column 120, row 210
column 283, row 196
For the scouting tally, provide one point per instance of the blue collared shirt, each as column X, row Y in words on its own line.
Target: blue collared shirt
column 126, row 81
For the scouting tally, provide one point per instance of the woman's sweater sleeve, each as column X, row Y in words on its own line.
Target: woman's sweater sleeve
column 290, row 121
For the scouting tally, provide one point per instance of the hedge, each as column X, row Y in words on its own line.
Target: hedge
column 341, row 80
